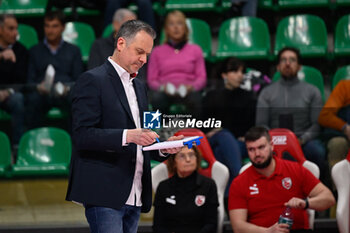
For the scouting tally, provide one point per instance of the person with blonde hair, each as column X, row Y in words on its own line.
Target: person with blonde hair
column 176, row 70
column 187, row 202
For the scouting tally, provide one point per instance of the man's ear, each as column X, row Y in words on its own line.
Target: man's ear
column 299, row 67
column 271, row 143
column 121, row 43
column 278, row 68
column 223, row 75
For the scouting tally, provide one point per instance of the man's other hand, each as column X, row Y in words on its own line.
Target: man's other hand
column 143, row 137
column 278, row 228
column 173, row 150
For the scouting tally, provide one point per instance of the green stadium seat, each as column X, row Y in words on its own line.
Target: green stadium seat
column 199, row 33
column 191, row 5
column 56, row 113
column 308, row 33
column 4, row 116
column 154, row 163
column 262, row 4
column 156, row 6
column 5, row 152
column 340, row 74
column 81, row 11
column 80, row 34
column 27, row 35
column 341, row 3
column 310, row 75
column 284, row 4
column 107, row 31
column 23, row 8
column 245, row 38
column 342, row 37
column 43, row 151
column 265, row 4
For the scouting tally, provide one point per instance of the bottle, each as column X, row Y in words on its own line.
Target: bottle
column 287, row 217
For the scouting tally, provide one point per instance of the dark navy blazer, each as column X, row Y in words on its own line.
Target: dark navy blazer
column 102, row 170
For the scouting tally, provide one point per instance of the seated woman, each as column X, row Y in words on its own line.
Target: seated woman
column 187, row 202
column 176, row 70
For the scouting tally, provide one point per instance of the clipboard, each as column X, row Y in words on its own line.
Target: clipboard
column 189, row 141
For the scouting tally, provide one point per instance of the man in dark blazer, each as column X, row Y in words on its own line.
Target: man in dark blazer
column 110, row 175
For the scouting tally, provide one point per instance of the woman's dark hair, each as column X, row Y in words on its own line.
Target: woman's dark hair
column 171, row 160
column 232, row 64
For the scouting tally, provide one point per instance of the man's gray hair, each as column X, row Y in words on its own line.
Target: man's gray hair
column 121, row 13
column 5, row 16
column 130, row 28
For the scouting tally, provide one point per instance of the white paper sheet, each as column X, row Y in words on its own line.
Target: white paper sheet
column 169, row 144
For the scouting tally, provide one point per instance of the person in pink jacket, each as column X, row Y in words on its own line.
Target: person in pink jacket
column 176, row 70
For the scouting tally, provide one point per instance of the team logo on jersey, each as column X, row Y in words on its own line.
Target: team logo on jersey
column 287, row 183
column 199, row 200
column 171, row 200
column 254, row 189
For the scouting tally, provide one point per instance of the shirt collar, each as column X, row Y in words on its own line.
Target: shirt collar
column 277, row 171
column 123, row 74
column 53, row 51
column 289, row 81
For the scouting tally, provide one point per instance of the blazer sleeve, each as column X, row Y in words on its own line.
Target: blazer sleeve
column 86, row 117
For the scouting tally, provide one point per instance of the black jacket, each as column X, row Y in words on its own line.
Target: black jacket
column 186, row 205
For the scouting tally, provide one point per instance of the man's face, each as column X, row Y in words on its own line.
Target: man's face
column 288, row 64
column 53, row 30
column 133, row 55
column 9, row 32
column 260, row 152
column 233, row 79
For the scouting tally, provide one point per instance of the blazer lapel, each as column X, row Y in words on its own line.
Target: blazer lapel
column 119, row 88
column 141, row 98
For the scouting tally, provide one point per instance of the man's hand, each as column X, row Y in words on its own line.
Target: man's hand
column 4, row 94
column 42, row 89
column 296, row 203
column 8, row 55
column 301, row 141
column 278, row 227
column 172, row 150
column 347, row 131
column 143, row 137
column 212, row 132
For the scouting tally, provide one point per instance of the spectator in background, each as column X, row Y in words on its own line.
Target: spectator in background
column 54, row 65
column 294, row 104
column 146, row 13
column 235, row 107
column 244, row 7
column 187, row 202
column 102, row 48
column 260, row 194
column 13, row 71
column 336, row 118
column 176, row 70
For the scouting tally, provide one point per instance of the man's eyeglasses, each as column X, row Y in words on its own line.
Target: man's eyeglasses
column 289, row 59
